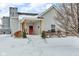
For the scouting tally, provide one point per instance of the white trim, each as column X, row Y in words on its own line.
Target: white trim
column 43, row 13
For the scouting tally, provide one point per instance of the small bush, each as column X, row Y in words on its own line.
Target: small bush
column 24, row 35
column 43, row 35
column 18, row 34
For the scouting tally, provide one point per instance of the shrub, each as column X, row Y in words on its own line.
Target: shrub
column 43, row 35
column 18, row 34
column 24, row 35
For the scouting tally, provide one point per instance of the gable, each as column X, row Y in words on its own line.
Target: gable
column 46, row 11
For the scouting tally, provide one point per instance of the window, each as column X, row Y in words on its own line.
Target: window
column 10, row 32
column 13, row 14
column 38, row 26
column 4, row 32
column 52, row 28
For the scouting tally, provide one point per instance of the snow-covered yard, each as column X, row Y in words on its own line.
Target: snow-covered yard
column 36, row 46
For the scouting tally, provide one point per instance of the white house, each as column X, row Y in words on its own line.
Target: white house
column 45, row 21
column 32, row 23
column 5, row 25
column 50, row 22
column 14, row 21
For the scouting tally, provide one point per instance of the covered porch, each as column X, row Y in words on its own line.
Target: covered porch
column 32, row 26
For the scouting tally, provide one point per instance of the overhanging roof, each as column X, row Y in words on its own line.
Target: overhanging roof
column 22, row 13
column 43, row 13
column 32, row 18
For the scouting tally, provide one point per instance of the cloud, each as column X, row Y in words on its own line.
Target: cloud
column 26, row 1
column 35, row 7
column 23, row 7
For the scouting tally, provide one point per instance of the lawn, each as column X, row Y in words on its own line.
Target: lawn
column 34, row 45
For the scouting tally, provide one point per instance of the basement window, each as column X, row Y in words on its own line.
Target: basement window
column 4, row 32
column 52, row 28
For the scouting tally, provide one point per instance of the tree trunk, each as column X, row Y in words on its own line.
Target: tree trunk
column 78, row 15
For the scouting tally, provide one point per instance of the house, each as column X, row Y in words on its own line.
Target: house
column 6, row 25
column 32, row 23
column 50, row 22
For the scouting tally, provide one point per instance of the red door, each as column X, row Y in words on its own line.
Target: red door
column 30, row 30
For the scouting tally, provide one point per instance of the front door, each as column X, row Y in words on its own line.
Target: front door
column 30, row 30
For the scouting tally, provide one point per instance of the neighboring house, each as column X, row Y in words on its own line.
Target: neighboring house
column 5, row 25
column 14, row 20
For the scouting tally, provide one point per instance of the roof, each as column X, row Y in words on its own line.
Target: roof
column 5, row 17
column 30, row 18
column 22, row 13
column 43, row 13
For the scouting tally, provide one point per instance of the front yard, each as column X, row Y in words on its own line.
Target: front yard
column 36, row 46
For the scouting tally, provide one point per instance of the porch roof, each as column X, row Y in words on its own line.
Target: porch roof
column 30, row 18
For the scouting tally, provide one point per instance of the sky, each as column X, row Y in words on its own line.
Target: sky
column 23, row 7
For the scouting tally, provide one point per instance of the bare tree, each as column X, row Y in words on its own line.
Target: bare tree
column 68, row 16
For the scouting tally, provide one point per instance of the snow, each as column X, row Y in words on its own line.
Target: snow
column 34, row 45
